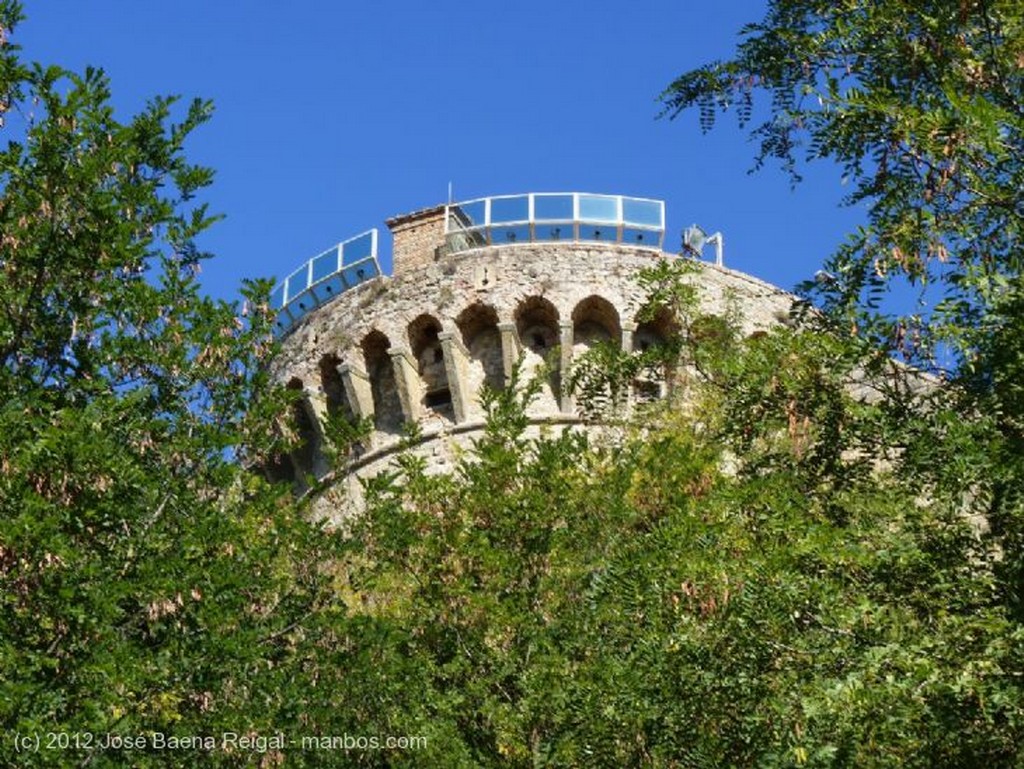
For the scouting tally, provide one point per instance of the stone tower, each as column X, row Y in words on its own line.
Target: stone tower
column 475, row 287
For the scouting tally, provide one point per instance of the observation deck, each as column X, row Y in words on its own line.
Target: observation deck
column 324, row 277
column 503, row 220
column 549, row 217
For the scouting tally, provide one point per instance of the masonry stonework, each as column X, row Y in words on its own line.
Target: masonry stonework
column 417, row 238
column 420, row 346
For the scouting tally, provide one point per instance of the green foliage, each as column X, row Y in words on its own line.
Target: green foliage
column 667, row 287
column 148, row 580
column 346, row 434
column 561, row 603
column 922, row 106
column 750, row 580
column 601, row 377
column 780, row 574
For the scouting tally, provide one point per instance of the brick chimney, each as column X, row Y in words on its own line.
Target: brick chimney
column 417, row 238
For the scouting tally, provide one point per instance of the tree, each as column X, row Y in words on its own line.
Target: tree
column 732, row 584
column 922, row 107
column 738, row 582
column 921, row 104
column 149, row 581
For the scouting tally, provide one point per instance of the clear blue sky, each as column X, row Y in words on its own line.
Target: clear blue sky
column 332, row 116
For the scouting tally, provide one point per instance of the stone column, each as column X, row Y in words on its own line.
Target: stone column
column 565, row 365
column 407, row 380
column 628, row 329
column 316, row 411
column 455, row 360
column 511, row 348
column 357, row 390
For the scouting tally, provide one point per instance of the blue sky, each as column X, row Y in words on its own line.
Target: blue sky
column 332, row 116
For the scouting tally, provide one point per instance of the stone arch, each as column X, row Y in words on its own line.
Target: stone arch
column 334, row 388
column 430, row 364
column 594, row 319
column 387, row 407
column 307, row 456
column 654, row 331
column 478, row 325
column 537, row 324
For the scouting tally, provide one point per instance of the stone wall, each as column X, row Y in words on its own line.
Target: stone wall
column 419, row 346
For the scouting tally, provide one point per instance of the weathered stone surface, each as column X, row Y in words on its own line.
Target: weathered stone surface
column 417, row 238
column 430, row 337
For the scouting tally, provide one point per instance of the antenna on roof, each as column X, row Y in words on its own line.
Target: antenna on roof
column 449, row 192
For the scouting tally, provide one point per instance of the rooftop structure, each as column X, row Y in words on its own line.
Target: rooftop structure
column 554, row 217
column 547, row 217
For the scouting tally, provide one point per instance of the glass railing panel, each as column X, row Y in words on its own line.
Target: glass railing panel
column 464, row 215
column 604, row 232
column 557, row 208
column 277, row 297
column 358, row 248
column 359, row 272
column 555, row 216
column 302, row 303
column 325, row 265
column 599, row 208
column 283, row 322
column 511, row 209
column 328, row 289
column 641, row 237
column 554, row 231
column 324, row 277
column 295, row 283
column 466, row 239
column 643, row 212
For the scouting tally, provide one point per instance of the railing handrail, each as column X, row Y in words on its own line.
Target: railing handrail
column 591, row 217
column 313, row 281
column 473, row 223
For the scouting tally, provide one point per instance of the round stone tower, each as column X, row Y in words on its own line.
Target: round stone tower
column 475, row 288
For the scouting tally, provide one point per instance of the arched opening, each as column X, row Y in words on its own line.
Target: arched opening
column 655, row 336
column 537, row 325
column 387, row 407
column 478, row 324
column 430, row 364
column 334, row 387
column 307, row 455
column 341, row 419
column 654, row 330
column 594, row 320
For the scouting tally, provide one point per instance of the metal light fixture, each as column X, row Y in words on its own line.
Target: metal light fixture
column 694, row 240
